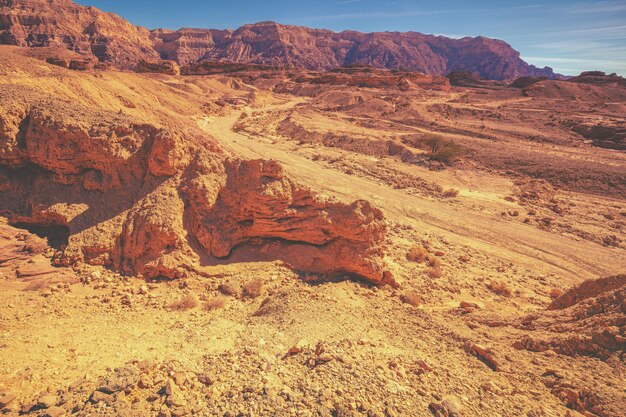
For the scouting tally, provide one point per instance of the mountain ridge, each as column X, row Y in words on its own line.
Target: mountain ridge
column 110, row 38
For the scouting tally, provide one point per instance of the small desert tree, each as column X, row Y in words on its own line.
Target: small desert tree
column 442, row 150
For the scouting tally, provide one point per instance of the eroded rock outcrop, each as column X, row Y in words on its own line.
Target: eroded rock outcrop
column 472, row 79
column 87, row 30
column 85, row 64
column 589, row 320
column 159, row 67
column 599, row 78
column 260, row 206
column 100, row 150
column 609, row 134
column 153, row 239
column 147, row 200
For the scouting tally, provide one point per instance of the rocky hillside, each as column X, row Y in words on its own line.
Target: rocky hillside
column 87, row 30
column 274, row 44
column 112, row 39
column 111, row 189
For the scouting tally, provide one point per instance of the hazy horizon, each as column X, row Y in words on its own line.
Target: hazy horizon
column 570, row 37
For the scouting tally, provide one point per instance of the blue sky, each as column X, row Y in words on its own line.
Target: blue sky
column 570, row 36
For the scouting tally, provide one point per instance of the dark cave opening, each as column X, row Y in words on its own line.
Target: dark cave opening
column 57, row 234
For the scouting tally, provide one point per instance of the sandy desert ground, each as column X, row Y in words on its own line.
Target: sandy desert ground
column 496, row 207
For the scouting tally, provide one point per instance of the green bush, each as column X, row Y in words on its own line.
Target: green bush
column 442, row 150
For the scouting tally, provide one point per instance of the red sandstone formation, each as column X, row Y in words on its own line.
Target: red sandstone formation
column 589, row 319
column 270, row 43
column 160, row 67
column 148, row 200
column 260, row 205
column 599, row 78
column 112, row 39
column 62, row 23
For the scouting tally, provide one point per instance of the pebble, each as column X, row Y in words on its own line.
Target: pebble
column 101, row 397
column 484, row 354
column 325, row 357
column 145, row 381
column 174, row 395
column 205, row 379
column 180, row 378
column 47, row 401
column 453, row 405
column 171, row 388
column 165, row 412
column 489, row 387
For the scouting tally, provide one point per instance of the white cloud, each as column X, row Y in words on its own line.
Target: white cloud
column 576, row 65
column 377, row 15
column 451, row 35
column 597, row 7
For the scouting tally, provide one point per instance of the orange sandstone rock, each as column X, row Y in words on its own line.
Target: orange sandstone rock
column 158, row 202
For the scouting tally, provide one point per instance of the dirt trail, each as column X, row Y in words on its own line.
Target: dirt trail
column 519, row 243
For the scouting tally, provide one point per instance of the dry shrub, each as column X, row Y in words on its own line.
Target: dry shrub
column 435, row 272
column 450, row 193
column 215, row 303
column 500, row 288
column 435, row 267
column 254, row 288
column 434, row 262
column 412, row 298
column 188, row 302
column 417, row 254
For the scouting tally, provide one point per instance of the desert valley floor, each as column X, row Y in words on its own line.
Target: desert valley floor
column 486, row 206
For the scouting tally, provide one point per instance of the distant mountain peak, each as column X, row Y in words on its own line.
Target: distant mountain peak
column 111, row 39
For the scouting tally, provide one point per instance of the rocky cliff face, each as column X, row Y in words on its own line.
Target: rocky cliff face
column 270, row 43
column 86, row 30
column 112, row 39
